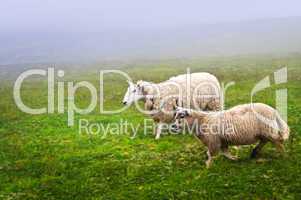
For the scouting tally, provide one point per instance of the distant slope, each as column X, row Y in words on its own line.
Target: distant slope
column 251, row 37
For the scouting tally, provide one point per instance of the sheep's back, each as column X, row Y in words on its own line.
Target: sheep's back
column 235, row 129
column 243, row 124
column 202, row 92
column 204, row 86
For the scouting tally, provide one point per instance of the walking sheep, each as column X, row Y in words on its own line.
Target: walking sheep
column 241, row 125
column 196, row 90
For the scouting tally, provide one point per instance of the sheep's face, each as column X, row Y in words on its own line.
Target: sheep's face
column 177, row 126
column 180, row 115
column 132, row 94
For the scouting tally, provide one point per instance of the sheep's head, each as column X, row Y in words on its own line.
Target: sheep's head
column 180, row 115
column 132, row 94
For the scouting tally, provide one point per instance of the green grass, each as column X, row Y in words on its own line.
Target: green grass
column 42, row 158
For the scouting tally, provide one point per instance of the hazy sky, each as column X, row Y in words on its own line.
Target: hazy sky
column 98, row 15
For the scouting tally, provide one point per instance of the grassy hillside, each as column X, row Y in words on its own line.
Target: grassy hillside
column 42, row 158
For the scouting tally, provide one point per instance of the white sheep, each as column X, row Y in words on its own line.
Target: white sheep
column 196, row 90
column 241, row 125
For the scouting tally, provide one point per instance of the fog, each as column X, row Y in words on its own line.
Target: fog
column 55, row 31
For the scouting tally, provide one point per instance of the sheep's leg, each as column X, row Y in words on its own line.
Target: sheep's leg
column 209, row 159
column 158, row 130
column 210, row 153
column 280, row 147
column 258, row 148
column 214, row 146
column 237, row 149
column 227, row 154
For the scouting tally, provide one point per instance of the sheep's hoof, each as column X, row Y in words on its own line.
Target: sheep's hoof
column 261, row 160
column 208, row 164
column 233, row 158
column 230, row 157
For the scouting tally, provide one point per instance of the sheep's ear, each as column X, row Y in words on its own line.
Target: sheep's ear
column 139, row 83
column 145, row 87
column 140, row 86
column 146, row 90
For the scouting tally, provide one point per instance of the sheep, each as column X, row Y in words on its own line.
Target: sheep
column 196, row 90
column 241, row 125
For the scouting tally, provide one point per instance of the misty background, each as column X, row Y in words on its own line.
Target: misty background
column 34, row 31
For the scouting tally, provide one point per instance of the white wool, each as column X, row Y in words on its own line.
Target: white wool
column 198, row 90
column 240, row 125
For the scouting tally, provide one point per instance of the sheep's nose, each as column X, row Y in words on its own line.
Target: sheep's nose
column 124, row 102
column 174, row 126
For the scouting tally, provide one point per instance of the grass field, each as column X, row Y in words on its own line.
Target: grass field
column 42, row 158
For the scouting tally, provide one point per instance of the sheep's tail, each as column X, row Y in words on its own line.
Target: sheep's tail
column 284, row 130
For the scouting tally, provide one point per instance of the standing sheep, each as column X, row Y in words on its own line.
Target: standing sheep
column 196, row 90
column 241, row 125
